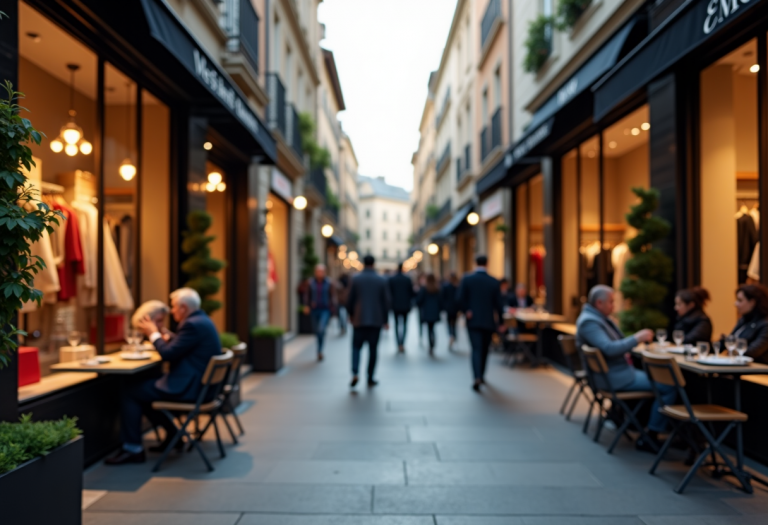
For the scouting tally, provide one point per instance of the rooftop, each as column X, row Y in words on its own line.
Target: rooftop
column 378, row 187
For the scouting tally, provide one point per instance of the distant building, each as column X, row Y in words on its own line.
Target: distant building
column 385, row 221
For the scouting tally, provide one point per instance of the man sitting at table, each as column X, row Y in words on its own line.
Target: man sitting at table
column 188, row 353
column 595, row 328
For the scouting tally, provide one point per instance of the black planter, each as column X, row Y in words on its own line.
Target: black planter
column 305, row 324
column 266, row 353
column 47, row 489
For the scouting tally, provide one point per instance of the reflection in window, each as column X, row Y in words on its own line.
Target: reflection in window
column 529, row 203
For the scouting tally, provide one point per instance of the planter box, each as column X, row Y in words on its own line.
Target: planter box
column 266, row 354
column 47, row 489
column 305, row 324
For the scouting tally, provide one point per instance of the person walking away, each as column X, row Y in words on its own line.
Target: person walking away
column 342, row 294
column 368, row 306
column 401, row 292
column 320, row 302
column 479, row 298
column 421, row 282
column 429, row 302
column 450, row 306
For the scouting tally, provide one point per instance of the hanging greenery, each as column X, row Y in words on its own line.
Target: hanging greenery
column 569, row 12
column 23, row 219
column 319, row 158
column 331, row 199
column 502, row 228
column 432, row 211
column 309, row 258
column 649, row 271
column 200, row 266
column 538, row 45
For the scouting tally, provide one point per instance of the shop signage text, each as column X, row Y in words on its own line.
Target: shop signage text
column 491, row 207
column 718, row 11
column 531, row 141
column 567, row 92
column 224, row 92
column 282, row 185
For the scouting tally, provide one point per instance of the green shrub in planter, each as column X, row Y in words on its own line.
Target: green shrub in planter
column 270, row 332
column 569, row 12
column 228, row 339
column 27, row 439
column 538, row 45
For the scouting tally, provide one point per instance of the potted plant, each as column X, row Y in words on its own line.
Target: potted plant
column 266, row 348
column 538, row 45
column 569, row 12
column 41, row 471
column 200, row 266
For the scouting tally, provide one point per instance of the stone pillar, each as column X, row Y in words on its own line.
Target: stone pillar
column 262, row 309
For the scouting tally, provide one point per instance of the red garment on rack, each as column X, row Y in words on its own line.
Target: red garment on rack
column 74, row 263
column 537, row 261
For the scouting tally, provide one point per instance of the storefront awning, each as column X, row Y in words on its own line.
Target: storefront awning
column 452, row 225
column 166, row 28
column 688, row 27
column 335, row 239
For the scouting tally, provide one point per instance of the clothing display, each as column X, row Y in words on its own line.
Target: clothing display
column 747, row 239
column 47, row 279
column 68, row 248
column 536, row 258
column 117, row 294
column 619, row 257
column 88, row 222
column 122, row 235
column 753, row 272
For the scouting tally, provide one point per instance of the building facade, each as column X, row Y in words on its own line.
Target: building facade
column 385, row 222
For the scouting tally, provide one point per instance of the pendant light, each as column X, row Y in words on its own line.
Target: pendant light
column 70, row 139
column 127, row 169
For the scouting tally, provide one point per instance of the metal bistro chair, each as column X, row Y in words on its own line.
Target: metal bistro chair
column 665, row 370
column 599, row 368
column 580, row 384
column 212, row 381
column 516, row 341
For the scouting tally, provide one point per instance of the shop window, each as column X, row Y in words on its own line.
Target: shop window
column 529, row 234
column 217, row 205
column 277, row 229
column 571, row 298
column 729, row 211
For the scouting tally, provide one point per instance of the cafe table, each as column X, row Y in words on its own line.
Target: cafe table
column 541, row 320
column 117, row 365
column 710, row 372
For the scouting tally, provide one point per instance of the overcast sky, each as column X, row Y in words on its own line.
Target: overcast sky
column 384, row 52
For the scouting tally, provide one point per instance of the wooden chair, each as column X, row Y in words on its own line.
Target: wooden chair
column 209, row 402
column 580, row 384
column 599, row 369
column 664, row 370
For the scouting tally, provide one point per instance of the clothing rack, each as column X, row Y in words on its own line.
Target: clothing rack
column 51, row 189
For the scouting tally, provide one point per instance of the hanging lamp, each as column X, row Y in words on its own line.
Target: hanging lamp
column 127, row 169
column 70, row 139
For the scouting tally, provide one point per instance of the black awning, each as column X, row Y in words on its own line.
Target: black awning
column 453, row 224
column 166, row 28
column 687, row 28
column 335, row 239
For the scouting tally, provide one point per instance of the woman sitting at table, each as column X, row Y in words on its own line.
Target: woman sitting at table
column 752, row 306
column 691, row 319
column 157, row 311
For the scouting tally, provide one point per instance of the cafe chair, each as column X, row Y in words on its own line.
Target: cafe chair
column 580, row 385
column 517, row 342
column 599, row 369
column 209, row 402
column 665, row 370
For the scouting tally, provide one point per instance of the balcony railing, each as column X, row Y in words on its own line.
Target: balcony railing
column 241, row 23
column 463, row 164
column 276, row 115
column 484, row 144
column 492, row 12
column 444, row 159
column 467, row 157
column 333, row 212
column 459, row 168
column 496, row 129
column 317, row 181
column 445, row 210
column 292, row 130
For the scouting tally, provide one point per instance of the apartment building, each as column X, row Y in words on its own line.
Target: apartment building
column 385, row 221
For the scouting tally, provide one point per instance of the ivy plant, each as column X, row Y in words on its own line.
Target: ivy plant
column 538, row 44
column 569, row 12
column 319, row 158
column 23, row 219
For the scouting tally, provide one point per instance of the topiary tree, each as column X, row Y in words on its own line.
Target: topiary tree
column 650, row 270
column 200, row 266
column 22, row 220
column 310, row 258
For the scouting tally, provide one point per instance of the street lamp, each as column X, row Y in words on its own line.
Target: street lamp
column 473, row 218
column 432, row 249
column 326, row 231
column 300, row 202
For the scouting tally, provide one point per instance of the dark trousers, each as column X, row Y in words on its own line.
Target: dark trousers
column 452, row 325
column 480, row 340
column 401, row 323
column 361, row 335
column 431, row 334
column 136, row 399
column 320, row 320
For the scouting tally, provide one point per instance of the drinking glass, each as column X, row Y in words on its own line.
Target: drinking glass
column 73, row 338
column 716, row 348
column 678, row 336
column 741, row 347
column 703, row 347
column 661, row 336
column 730, row 344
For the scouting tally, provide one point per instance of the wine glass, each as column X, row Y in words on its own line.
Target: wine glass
column 703, row 347
column 730, row 345
column 73, row 338
column 716, row 348
column 678, row 336
column 661, row 336
column 741, row 347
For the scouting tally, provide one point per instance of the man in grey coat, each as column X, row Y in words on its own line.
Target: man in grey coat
column 595, row 328
column 368, row 306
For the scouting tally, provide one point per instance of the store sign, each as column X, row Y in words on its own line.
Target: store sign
column 567, row 92
column 718, row 11
column 492, row 206
column 531, row 141
column 282, row 185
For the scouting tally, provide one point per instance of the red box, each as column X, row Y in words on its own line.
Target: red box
column 29, row 366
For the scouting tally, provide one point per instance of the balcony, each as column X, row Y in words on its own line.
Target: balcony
column 490, row 137
column 490, row 18
column 445, row 158
column 316, row 181
column 333, row 213
column 445, row 210
column 484, row 144
column 276, row 114
column 241, row 24
column 292, row 130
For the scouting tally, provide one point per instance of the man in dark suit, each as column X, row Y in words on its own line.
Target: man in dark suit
column 479, row 298
column 401, row 292
column 188, row 353
column 368, row 305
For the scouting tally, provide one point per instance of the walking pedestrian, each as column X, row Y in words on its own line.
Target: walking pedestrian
column 342, row 294
column 479, row 298
column 320, row 302
column 368, row 305
column 401, row 293
column 450, row 306
column 429, row 302
column 421, row 281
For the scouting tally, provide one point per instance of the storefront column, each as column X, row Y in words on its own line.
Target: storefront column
column 262, row 193
column 507, row 212
column 552, row 244
column 481, row 239
column 248, row 242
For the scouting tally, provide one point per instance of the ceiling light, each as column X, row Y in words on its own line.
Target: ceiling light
column 70, row 134
column 57, row 146
column 86, row 147
column 127, row 170
column 210, row 187
column 754, row 68
column 353, row 256
column 473, row 218
column 645, row 126
column 635, row 131
column 70, row 149
column 326, row 231
column 300, row 202
column 207, row 146
column 221, row 186
column 612, row 144
column 432, row 249
column 215, row 177
column 194, row 186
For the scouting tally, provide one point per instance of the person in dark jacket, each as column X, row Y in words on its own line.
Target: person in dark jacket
column 368, row 306
column 521, row 299
column 401, row 293
column 691, row 319
column 320, row 303
column 188, row 353
column 429, row 302
column 480, row 299
column 752, row 305
column 450, row 305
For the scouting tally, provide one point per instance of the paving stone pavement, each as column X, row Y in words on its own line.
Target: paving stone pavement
column 419, row 449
